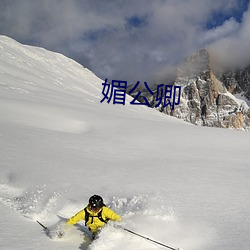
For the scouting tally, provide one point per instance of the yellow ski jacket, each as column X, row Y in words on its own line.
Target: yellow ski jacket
column 94, row 223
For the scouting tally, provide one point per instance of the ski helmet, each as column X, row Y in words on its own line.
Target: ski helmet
column 95, row 202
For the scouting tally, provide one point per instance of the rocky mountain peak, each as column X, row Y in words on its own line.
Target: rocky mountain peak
column 208, row 94
column 195, row 64
column 207, row 98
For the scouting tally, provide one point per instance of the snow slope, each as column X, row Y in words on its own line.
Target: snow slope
column 176, row 183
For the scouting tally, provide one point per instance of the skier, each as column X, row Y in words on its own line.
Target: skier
column 95, row 214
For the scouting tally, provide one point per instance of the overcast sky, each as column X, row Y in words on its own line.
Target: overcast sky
column 133, row 40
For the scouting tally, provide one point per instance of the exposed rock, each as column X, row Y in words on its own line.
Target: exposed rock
column 237, row 81
column 207, row 97
column 206, row 100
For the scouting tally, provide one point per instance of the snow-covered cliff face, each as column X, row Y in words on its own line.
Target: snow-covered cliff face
column 237, row 81
column 207, row 99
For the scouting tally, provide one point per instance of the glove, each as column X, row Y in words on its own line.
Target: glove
column 60, row 234
column 62, row 229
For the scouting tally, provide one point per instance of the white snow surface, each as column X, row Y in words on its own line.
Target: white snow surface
column 182, row 185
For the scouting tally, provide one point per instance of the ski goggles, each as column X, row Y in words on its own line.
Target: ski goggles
column 94, row 208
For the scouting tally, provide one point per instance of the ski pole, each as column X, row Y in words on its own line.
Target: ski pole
column 45, row 228
column 146, row 238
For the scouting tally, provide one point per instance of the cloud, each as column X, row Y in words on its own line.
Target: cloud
column 232, row 50
column 228, row 28
column 127, row 40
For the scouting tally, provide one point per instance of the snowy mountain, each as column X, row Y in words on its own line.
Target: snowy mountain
column 209, row 97
column 205, row 99
column 182, row 185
